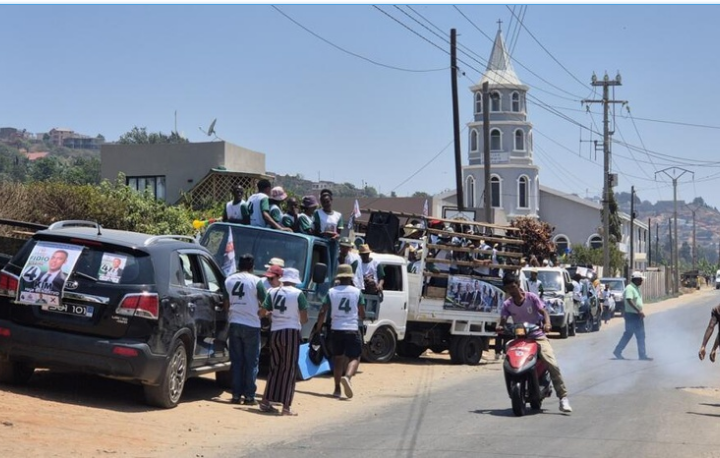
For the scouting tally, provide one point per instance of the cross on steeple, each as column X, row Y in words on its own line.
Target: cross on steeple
column 499, row 24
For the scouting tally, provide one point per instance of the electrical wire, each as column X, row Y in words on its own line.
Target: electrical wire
column 367, row 59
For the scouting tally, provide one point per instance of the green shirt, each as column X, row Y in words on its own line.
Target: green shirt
column 633, row 292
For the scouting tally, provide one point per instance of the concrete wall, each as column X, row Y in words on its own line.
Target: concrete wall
column 576, row 220
column 183, row 165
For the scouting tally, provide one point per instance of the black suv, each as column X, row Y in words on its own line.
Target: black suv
column 119, row 304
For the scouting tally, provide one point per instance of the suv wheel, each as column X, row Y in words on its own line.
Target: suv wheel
column 168, row 393
column 15, row 373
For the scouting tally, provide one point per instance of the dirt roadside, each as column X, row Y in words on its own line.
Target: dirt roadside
column 63, row 415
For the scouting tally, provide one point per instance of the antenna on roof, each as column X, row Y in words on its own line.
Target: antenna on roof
column 211, row 130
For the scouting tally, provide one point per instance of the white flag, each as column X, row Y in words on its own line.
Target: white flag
column 356, row 210
column 229, row 266
column 426, row 212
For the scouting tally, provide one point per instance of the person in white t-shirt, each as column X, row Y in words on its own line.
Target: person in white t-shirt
column 287, row 308
column 346, row 255
column 244, row 292
column 326, row 221
column 235, row 211
column 346, row 305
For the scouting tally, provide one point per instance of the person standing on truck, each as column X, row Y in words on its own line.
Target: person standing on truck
column 347, row 310
column 326, row 221
column 526, row 307
column 236, row 210
column 244, row 292
column 346, row 255
column 287, row 308
column 308, row 206
column 373, row 272
column 259, row 207
column 290, row 217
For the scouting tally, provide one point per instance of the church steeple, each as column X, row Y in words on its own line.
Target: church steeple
column 500, row 71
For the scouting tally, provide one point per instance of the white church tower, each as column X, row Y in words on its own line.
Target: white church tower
column 513, row 176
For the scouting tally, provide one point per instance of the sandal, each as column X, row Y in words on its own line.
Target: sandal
column 288, row 412
column 266, row 407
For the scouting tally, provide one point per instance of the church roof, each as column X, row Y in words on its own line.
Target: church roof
column 500, row 70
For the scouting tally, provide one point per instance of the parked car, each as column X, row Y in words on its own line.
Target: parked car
column 557, row 296
column 617, row 288
column 135, row 307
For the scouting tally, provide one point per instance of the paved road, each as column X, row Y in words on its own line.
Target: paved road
column 621, row 408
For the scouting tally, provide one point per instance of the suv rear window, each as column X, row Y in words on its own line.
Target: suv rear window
column 104, row 263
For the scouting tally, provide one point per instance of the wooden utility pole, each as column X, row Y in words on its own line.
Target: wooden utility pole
column 632, row 229
column 456, row 120
column 486, row 152
column 674, row 247
column 607, row 185
column 649, row 244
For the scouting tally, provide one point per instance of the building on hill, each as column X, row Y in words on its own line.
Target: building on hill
column 515, row 179
column 59, row 134
column 202, row 172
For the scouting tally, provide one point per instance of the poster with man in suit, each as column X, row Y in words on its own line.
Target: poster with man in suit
column 111, row 267
column 46, row 271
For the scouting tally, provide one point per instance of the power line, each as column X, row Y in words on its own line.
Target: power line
column 367, row 59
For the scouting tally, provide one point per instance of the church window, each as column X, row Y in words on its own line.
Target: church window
column 495, row 190
column 473, row 140
column 519, row 140
column 495, row 101
column 478, row 102
column 495, row 140
column 523, row 191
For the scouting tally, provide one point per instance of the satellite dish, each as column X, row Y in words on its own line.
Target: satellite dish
column 211, row 130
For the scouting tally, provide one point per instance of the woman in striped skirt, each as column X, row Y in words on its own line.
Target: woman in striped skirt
column 287, row 308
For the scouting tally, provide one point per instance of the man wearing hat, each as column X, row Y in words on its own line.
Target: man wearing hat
column 278, row 264
column 308, row 205
column 347, row 310
column 534, row 284
column 347, row 256
column 634, row 318
column 372, row 271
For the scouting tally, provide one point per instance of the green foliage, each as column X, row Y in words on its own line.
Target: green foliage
column 537, row 236
column 113, row 205
column 582, row 255
column 140, row 135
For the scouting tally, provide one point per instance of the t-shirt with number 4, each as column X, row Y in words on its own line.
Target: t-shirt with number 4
column 285, row 303
column 245, row 293
column 344, row 301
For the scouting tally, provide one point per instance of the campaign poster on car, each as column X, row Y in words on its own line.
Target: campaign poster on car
column 44, row 275
column 111, row 267
column 470, row 294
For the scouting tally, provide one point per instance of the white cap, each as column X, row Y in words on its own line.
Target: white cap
column 638, row 274
column 291, row 275
column 275, row 262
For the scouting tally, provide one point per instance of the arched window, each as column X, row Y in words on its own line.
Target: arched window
column 495, row 140
column 523, row 191
column 516, row 102
column 562, row 245
column 495, row 190
column 470, row 191
column 473, row 140
column 519, row 140
column 595, row 241
column 478, row 102
column 495, row 101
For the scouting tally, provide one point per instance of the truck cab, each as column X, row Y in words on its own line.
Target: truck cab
column 315, row 258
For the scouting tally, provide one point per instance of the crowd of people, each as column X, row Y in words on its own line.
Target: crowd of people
column 271, row 207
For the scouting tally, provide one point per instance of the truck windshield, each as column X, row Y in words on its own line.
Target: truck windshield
column 551, row 281
column 615, row 285
column 263, row 244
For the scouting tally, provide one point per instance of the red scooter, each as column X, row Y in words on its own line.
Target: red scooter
column 526, row 375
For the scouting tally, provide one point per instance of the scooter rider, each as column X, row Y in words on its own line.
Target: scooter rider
column 527, row 307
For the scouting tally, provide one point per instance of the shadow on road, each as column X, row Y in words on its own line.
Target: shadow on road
column 102, row 393
column 704, row 414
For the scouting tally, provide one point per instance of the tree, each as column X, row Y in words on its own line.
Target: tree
column 140, row 136
column 421, row 194
column 685, row 253
column 537, row 236
column 583, row 255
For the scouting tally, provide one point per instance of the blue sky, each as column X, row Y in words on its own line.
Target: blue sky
column 320, row 112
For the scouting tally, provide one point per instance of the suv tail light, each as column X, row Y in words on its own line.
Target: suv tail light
column 143, row 305
column 8, row 284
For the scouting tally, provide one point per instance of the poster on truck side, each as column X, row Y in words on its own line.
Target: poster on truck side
column 44, row 275
column 470, row 294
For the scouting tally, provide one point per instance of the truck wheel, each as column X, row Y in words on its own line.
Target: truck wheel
column 409, row 350
column 469, row 350
column 168, row 393
column 454, row 351
column 382, row 346
column 15, row 373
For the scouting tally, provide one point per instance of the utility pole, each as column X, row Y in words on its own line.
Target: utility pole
column 672, row 252
column 456, row 120
column 632, row 228
column 674, row 248
column 657, row 244
column 486, row 152
column 693, row 209
column 649, row 243
column 607, row 185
